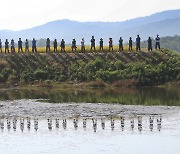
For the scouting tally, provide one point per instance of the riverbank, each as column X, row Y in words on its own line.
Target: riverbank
column 33, row 108
column 98, row 69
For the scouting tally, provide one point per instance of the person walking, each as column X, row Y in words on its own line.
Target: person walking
column 47, row 45
column 130, row 44
column 120, row 44
column 110, row 44
column 93, row 43
column 12, row 46
column 26, row 45
column 55, row 45
column 138, row 43
column 62, row 45
column 6, row 46
column 157, row 43
column 34, row 48
column 101, row 44
column 149, row 44
column 20, row 45
column 83, row 45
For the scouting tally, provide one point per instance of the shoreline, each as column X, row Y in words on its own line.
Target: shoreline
column 36, row 108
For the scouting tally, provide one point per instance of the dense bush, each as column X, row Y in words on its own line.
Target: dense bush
column 145, row 72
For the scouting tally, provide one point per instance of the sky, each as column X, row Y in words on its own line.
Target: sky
column 24, row 14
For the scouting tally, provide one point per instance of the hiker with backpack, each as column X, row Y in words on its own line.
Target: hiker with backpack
column 101, row 44
column 34, row 48
column 138, row 43
column 6, row 46
column 26, row 46
column 130, row 44
column 83, row 45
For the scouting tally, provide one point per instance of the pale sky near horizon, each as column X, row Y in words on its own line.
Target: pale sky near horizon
column 23, row 14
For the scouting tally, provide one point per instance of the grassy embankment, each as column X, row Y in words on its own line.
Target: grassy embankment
column 96, row 69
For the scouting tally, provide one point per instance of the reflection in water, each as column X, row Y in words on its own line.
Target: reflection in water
column 22, row 124
column 151, row 119
column 112, row 123
column 84, row 123
column 14, row 123
column 57, row 123
column 122, row 123
column 140, row 123
column 75, row 121
column 8, row 124
column 64, row 124
column 94, row 120
column 28, row 123
column 132, row 124
column 159, row 123
column 49, row 124
column 35, row 124
column 103, row 123
column 139, row 96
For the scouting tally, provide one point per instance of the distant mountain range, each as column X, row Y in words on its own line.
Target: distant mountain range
column 165, row 23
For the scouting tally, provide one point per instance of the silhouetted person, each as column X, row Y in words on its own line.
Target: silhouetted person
column 34, row 49
column 62, row 45
column 138, row 43
column 12, row 46
column 74, row 45
column 130, row 44
column 93, row 43
column 110, row 44
column 83, row 45
column 0, row 46
column 149, row 44
column 120, row 44
column 6, row 46
column 20, row 45
column 26, row 45
column 157, row 42
column 47, row 45
column 55, row 45
column 101, row 44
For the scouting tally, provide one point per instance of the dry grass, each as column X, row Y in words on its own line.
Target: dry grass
column 68, row 49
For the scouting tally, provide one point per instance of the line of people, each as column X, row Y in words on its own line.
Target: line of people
column 74, row 45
